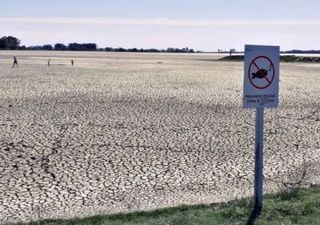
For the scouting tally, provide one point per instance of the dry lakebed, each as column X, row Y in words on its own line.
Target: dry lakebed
column 120, row 132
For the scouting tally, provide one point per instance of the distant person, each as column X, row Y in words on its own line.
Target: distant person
column 15, row 62
column 49, row 62
column 72, row 62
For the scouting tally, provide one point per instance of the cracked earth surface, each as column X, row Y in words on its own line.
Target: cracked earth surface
column 124, row 132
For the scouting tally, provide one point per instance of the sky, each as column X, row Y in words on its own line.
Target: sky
column 206, row 25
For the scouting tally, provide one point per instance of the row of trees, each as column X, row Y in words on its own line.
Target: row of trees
column 109, row 49
column 13, row 43
column 93, row 47
column 62, row 47
column 297, row 51
column 76, row 47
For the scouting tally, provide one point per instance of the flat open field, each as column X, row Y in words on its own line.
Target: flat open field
column 121, row 132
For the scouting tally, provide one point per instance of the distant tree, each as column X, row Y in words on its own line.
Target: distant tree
column 153, row 50
column 169, row 49
column 82, row 47
column 186, row 49
column 90, row 46
column 108, row 49
column 47, row 47
column 120, row 49
column 9, row 42
column 36, row 47
column 60, row 47
column 23, row 47
column 74, row 47
column 3, row 43
column 133, row 50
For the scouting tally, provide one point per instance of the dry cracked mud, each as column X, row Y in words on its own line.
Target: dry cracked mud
column 124, row 132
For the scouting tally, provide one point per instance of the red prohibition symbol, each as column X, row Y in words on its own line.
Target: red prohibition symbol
column 261, row 69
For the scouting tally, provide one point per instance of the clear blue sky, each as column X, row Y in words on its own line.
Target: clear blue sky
column 200, row 24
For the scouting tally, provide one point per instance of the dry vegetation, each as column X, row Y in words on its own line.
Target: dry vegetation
column 123, row 132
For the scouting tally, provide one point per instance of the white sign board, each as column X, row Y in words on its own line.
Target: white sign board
column 261, row 76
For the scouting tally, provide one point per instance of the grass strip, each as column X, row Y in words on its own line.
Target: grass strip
column 297, row 206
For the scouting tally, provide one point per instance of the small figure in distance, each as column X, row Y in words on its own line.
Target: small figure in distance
column 72, row 62
column 15, row 62
column 49, row 62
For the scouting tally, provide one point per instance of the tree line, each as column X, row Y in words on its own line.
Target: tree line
column 13, row 43
column 297, row 51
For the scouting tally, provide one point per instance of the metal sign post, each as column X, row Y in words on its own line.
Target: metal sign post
column 258, row 177
column 261, row 89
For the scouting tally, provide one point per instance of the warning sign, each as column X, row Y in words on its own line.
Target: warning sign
column 261, row 76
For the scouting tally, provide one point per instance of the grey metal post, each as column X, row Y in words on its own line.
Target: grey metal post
column 258, row 177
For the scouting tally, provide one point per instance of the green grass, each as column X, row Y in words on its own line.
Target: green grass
column 298, row 206
column 236, row 58
column 288, row 58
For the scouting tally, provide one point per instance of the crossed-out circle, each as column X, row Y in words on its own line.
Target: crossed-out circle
column 255, row 67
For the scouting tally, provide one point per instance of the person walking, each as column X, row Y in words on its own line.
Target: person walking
column 72, row 62
column 15, row 62
column 49, row 62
